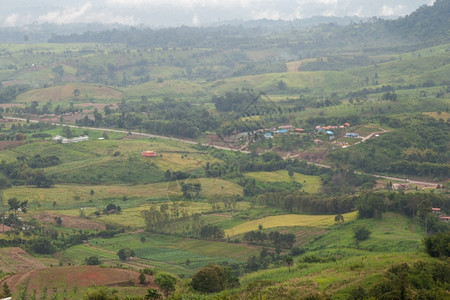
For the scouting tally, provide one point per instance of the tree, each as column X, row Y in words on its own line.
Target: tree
column 152, row 294
column 361, row 233
column 142, row 277
column 288, row 261
column 210, row 279
column 338, row 220
column 93, row 261
column 166, row 282
column 58, row 220
column 126, row 253
column 6, row 290
column 438, row 245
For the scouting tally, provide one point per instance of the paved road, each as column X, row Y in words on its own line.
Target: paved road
column 220, row 147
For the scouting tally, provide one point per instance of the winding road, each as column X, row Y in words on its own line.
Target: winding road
column 425, row 183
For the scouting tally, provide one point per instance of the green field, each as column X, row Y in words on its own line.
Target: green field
column 310, row 184
column 287, row 220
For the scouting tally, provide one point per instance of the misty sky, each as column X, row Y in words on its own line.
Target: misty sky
column 191, row 12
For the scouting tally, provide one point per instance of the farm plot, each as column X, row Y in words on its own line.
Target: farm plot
column 310, row 184
column 71, row 279
column 287, row 220
column 17, row 260
column 67, row 93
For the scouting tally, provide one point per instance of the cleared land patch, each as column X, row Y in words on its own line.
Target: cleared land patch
column 70, row 221
column 16, row 260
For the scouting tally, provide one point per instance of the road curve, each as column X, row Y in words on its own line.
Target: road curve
column 218, row 147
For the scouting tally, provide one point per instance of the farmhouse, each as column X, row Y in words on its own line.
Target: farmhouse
column 299, row 130
column 64, row 140
column 286, row 127
column 400, row 186
column 445, row 219
column 352, row 134
column 318, row 142
column 436, row 211
column 148, row 153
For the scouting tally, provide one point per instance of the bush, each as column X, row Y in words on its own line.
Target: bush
column 361, row 233
column 438, row 245
column 93, row 261
column 210, row 279
column 43, row 246
column 125, row 253
column 166, row 282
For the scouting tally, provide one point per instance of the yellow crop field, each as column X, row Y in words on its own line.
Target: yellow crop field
column 288, row 220
column 311, row 184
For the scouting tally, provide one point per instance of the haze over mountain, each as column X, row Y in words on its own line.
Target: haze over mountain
column 159, row 13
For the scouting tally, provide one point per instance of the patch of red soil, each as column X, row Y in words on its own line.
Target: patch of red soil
column 70, row 221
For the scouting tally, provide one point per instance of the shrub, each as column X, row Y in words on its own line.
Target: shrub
column 210, row 279
column 361, row 233
column 93, row 261
column 166, row 282
column 125, row 253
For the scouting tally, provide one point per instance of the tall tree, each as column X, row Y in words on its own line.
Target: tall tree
column 338, row 220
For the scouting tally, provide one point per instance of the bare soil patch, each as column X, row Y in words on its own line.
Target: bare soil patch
column 80, row 276
column 70, row 221
column 16, row 260
column 9, row 144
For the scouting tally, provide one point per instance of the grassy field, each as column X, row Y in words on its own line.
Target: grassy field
column 287, row 220
column 175, row 251
column 73, row 196
column 310, row 184
column 333, row 279
column 65, row 93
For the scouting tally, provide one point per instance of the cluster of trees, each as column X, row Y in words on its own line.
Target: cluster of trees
column 28, row 171
column 214, row 278
column 169, row 117
column 275, row 238
column 211, row 232
column 419, row 280
column 299, row 202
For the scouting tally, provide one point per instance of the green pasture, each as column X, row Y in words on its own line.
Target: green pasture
column 173, row 88
column 310, row 184
column 77, row 254
column 393, row 232
column 175, row 251
column 65, row 93
column 287, row 220
column 335, row 279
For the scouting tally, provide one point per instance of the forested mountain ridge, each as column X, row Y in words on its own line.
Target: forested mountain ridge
column 428, row 24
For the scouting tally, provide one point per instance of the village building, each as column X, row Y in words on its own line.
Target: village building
column 286, row 127
column 352, row 134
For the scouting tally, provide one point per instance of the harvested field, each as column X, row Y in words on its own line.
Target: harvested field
column 59, row 278
column 16, row 260
column 70, row 221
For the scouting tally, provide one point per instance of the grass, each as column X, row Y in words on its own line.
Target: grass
column 171, row 250
column 66, row 196
column 65, row 93
column 310, row 184
column 334, row 279
column 287, row 220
